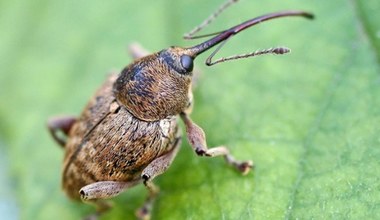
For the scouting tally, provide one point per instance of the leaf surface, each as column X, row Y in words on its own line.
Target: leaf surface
column 309, row 120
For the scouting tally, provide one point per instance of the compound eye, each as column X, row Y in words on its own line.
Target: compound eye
column 187, row 63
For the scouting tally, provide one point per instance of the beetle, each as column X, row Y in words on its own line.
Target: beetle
column 128, row 133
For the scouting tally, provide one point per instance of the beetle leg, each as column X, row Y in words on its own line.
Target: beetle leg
column 101, row 207
column 155, row 168
column 197, row 139
column 137, row 51
column 60, row 123
column 104, row 189
column 95, row 192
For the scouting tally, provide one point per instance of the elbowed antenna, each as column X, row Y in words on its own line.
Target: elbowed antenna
column 225, row 35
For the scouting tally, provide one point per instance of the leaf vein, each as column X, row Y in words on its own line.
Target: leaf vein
column 365, row 27
column 334, row 85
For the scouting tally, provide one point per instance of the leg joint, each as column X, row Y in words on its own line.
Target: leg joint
column 202, row 152
column 145, row 178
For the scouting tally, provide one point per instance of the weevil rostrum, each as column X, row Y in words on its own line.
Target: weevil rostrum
column 128, row 133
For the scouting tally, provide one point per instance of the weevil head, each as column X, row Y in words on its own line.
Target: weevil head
column 158, row 85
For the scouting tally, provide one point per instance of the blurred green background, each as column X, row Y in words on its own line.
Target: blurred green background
column 309, row 120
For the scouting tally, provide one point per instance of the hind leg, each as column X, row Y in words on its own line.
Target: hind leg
column 155, row 168
column 95, row 194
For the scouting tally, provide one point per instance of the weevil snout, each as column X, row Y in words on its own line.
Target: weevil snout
column 222, row 37
column 182, row 59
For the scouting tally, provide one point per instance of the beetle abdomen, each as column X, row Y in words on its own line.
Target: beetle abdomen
column 115, row 147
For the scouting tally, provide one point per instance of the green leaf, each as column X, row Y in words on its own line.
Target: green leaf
column 309, row 120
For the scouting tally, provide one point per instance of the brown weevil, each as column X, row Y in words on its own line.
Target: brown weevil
column 128, row 133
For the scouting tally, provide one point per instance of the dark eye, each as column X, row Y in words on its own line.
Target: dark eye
column 187, row 63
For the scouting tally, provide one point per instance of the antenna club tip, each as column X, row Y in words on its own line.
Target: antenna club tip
column 281, row 50
column 309, row 15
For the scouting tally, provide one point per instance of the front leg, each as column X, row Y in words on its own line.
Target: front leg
column 137, row 51
column 197, row 139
